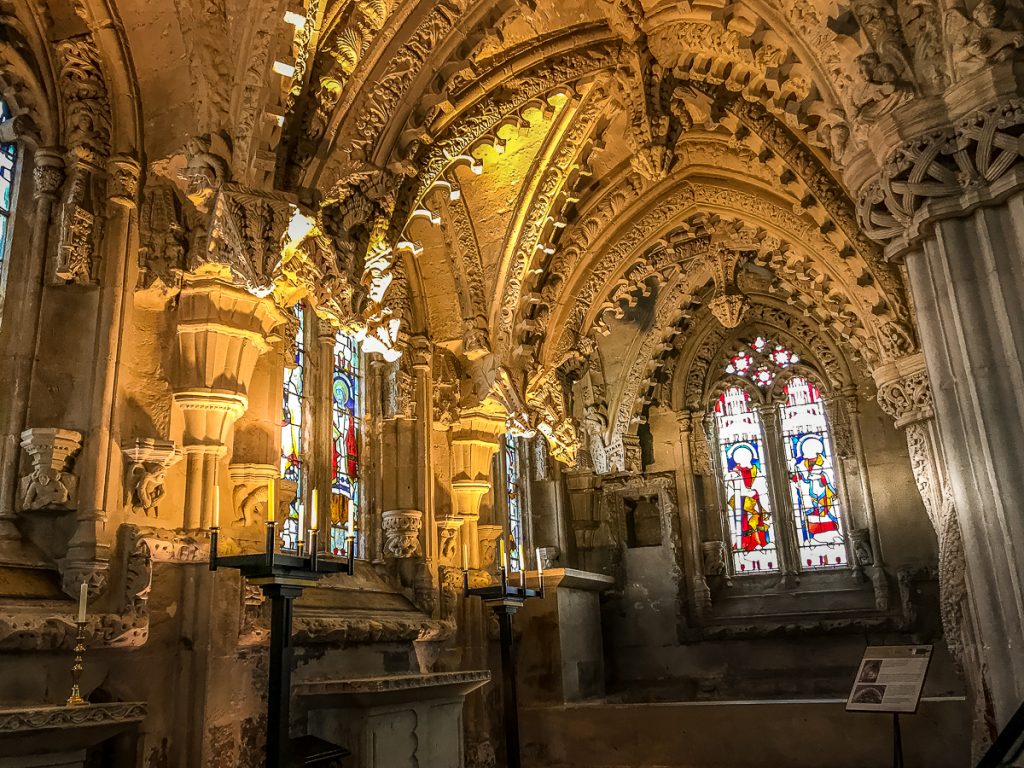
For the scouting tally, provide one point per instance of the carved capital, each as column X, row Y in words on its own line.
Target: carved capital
column 123, row 172
column 50, row 484
column 904, row 391
column 48, row 173
column 944, row 172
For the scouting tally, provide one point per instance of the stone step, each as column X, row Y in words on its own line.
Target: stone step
column 741, row 734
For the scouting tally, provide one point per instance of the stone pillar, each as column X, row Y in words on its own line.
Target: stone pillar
column 100, row 486
column 947, row 198
column 690, row 516
column 222, row 330
column 474, row 443
column 23, row 301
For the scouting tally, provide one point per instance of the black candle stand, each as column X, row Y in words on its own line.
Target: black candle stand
column 505, row 600
column 282, row 577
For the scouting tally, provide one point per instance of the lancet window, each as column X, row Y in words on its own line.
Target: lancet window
column 346, row 433
column 776, row 461
column 292, row 465
column 8, row 155
column 514, row 502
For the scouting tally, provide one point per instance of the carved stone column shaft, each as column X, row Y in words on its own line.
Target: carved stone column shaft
column 968, row 288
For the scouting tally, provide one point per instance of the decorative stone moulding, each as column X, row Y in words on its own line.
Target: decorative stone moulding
column 489, row 535
column 249, row 493
column 448, row 538
column 50, row 484
column 402, row 532
column 146, row 463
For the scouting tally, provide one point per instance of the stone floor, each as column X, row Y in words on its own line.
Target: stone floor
column 765, row 734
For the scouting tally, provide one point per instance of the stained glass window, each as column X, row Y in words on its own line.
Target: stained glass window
column 7, row 157
column 760, row 361
column 291, row 430
column 515, row 504
column 812, row 477
column 346, row 430
column 741, row 443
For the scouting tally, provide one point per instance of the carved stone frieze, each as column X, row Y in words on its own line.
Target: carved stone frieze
column 163, row 241
column 990, row 34
column 51, row 483
column 146, row 463
column 86, row 101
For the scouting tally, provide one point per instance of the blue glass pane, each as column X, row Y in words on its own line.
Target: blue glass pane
column 291, row 430
column 346, row 438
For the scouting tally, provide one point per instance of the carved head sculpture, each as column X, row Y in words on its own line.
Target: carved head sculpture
column 986, row 14
column 204, row 171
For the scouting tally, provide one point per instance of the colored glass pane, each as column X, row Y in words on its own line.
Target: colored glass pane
column 7, row 157
column 740, row 364
column 748, row 504
column 515, row 508
column 813, row 488
column 761, row 361
column 291, row 429
column 346, row 432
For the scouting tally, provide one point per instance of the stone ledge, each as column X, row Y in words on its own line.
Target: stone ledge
column 42, row 730
column 390, row 689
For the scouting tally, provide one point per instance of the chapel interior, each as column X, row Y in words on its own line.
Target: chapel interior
column 486, row 383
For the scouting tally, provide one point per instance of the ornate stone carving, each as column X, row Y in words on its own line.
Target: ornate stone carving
column 246, row 233
column 402, row 532
column 715, row 558
column 446, row 390
column 863, row 552
column 163, row 241
column 906, row 397
column 934, row 170
column 988, row 35
column 50, row 484
column 50, row 718
column 489, row 536
column 123, row 180
column 249, row 483
column 400, row 390
column 146, row 465
column 78, row 233
column 448, row 539
column 87, row 122
column 47, row 175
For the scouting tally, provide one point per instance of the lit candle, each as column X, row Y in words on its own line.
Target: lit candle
column 465, row 557
column 312, row 513
column 271, row 506
column 83, row 597
column 504, row 563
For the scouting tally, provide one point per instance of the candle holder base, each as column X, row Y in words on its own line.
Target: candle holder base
column 75, row 699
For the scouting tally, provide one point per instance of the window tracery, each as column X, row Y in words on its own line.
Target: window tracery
column 513, row 495
column 292, row 468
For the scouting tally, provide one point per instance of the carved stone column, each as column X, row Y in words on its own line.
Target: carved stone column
column 47, row 176
column 87, row 553
column 690, row 516
column 222, row 330
column 474, row 443
column 947, row 197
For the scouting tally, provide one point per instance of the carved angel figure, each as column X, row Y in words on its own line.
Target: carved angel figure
column 981, row 38
column 882, row 90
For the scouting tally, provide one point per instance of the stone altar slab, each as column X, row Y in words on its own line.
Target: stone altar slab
column 59, row 737
column 392, row 721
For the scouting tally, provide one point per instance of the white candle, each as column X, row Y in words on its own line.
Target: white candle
column 83, row 597
column 351, row 523
column 312, row 513
column 540, row 565
column 465, row 557
column 301, row 523
column 216, row 507
column 271, row 505
column 504, row 561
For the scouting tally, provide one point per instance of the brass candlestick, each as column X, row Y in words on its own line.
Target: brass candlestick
column 75, row 699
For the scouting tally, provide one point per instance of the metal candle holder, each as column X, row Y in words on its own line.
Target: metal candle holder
column 75, row 699
column 282, row 577
column 505, row 600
